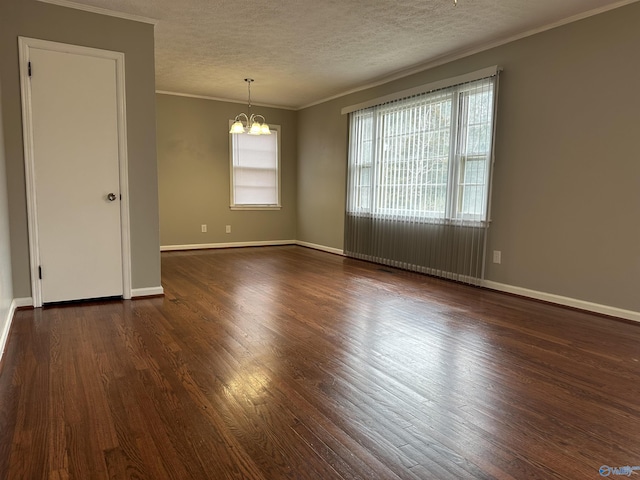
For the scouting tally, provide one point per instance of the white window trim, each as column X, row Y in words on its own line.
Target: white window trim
column 452, row 212
column 233, row 206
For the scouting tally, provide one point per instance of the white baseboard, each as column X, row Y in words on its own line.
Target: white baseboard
column 204, row 246
column 265, row 243
column 4, row 335
column 147, row 292
column 501, row 287
column 8, row 321
column 315, row 246
column 566, row 301
column 23, row 302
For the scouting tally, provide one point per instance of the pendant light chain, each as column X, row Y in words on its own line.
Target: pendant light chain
column 251, row 124
column 249, row 80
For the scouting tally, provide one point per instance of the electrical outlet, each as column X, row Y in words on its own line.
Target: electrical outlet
column 203, row 228
column 227, row 229
column 497, row 256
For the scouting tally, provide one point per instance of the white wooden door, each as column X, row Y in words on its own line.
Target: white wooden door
column 75, row 168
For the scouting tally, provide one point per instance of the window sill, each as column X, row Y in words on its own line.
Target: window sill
column 255, row 207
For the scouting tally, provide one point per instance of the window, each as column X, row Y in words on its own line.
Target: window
column 255, row 170
column 427, row 156
column 419, row 175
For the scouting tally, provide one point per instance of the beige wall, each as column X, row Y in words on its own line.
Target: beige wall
column 322, row 154
column 193, row 171
column 566, row 193
column 49, row 22
column 6, row 287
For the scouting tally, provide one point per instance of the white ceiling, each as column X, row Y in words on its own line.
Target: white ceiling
column 303, row 51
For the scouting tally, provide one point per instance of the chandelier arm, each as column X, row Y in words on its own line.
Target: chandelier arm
column 240, row 115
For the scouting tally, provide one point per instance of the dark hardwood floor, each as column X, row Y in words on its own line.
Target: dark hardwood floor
column 285, row 362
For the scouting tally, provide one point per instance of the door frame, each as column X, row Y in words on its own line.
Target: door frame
column 24, row 46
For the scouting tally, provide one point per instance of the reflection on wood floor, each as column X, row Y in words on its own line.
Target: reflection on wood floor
column 285, row 362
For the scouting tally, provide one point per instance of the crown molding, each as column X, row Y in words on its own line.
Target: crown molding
column 102, row 11
column 451, row 57
column 402, row 73
column 219, row 99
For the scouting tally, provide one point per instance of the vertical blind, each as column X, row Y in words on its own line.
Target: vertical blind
column 419, row 181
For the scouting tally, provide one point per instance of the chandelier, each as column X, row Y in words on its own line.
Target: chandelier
column 251, row 124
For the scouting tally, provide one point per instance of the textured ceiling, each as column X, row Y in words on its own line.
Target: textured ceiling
column 302, row 51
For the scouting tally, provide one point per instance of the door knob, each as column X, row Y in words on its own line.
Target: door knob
column 111, row 197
